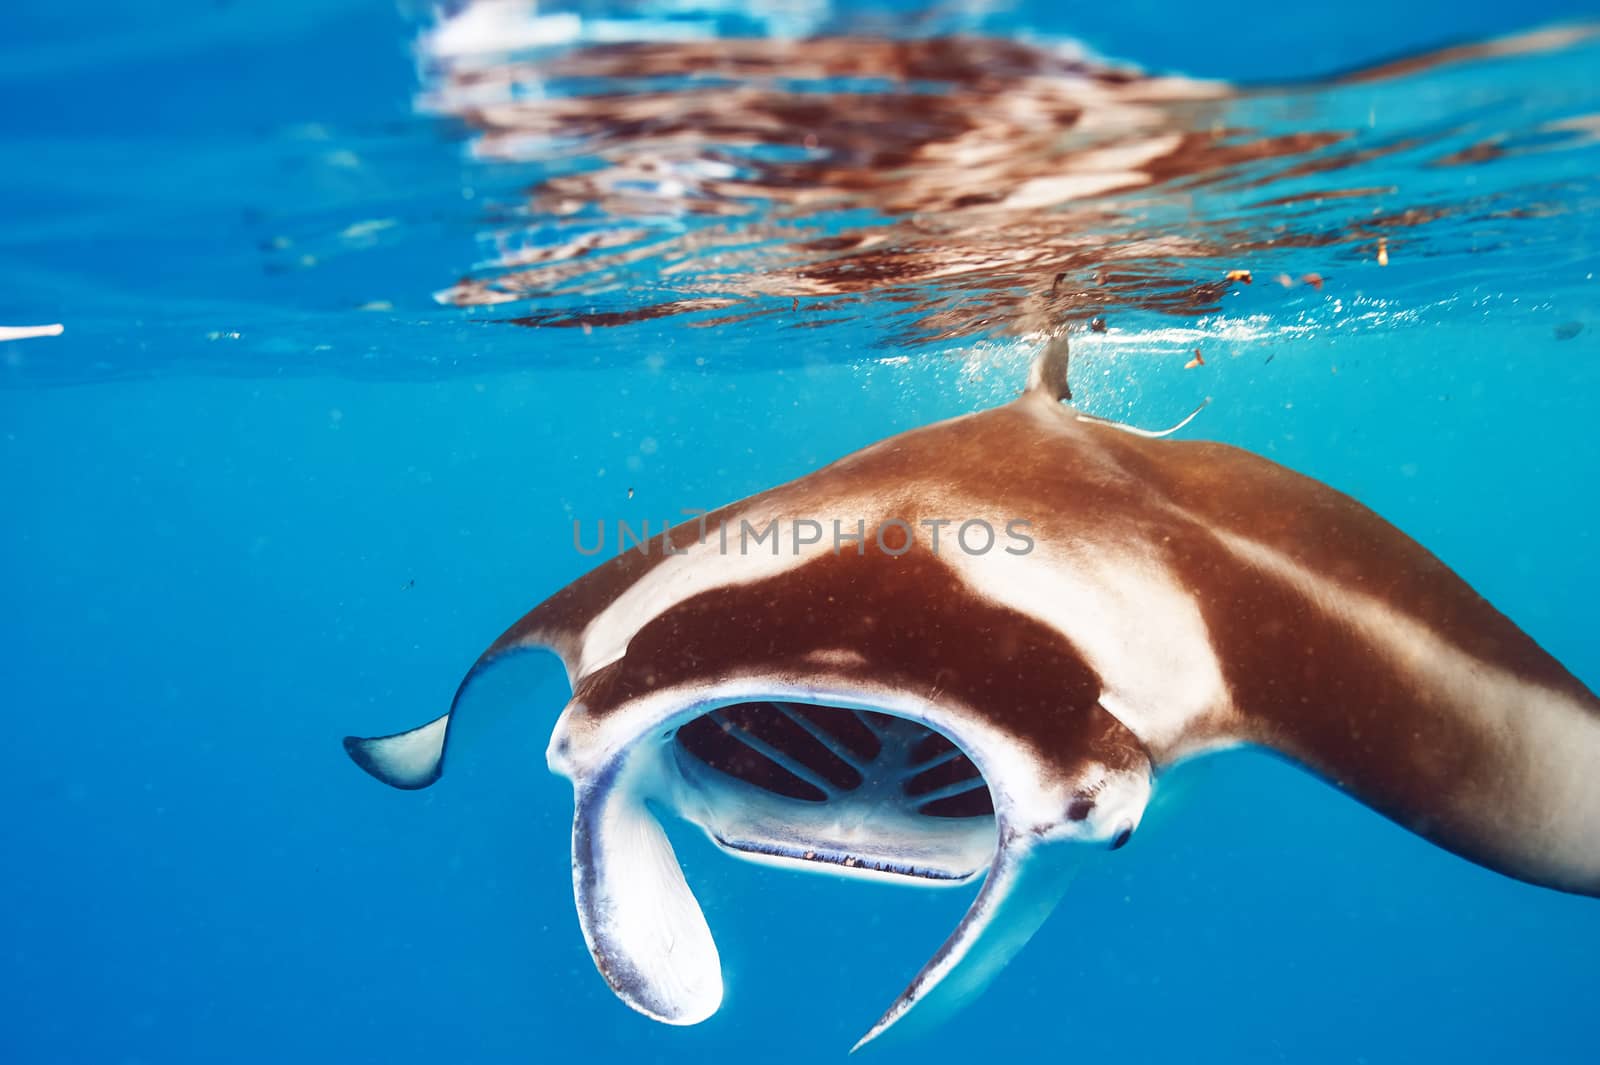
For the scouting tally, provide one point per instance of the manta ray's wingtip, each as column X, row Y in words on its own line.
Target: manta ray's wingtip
column 409, row 761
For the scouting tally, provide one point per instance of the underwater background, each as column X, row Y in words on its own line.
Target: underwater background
column 364, row 304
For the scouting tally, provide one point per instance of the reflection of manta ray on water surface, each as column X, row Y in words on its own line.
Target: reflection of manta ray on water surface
column 930, row 716
column 973, row 187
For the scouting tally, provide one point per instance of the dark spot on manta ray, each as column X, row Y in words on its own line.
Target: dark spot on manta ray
column 1080, row 809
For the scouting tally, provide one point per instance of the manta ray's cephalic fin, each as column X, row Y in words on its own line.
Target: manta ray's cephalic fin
column 1027, row 879
column 644, row 929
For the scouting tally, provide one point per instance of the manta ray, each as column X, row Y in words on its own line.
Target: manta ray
column 880, row 703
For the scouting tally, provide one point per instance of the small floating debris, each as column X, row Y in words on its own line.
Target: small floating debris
column 1314, row 280
column 27, row 332
column 630, row 493
column 1285, row 280
column 1241, row 275
column 1198, row 360
column 1383, row 251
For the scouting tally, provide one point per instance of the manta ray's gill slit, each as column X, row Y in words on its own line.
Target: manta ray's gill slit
column 881, row 724
column 851, row 738
column 942, row 777
column 771, row 725
column 931, row 747
column 815, row 721
column 976, row 802
column 819, row 754
column 950, row 787
column 714, row 744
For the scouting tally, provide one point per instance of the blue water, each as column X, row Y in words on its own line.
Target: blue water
column 266, row 490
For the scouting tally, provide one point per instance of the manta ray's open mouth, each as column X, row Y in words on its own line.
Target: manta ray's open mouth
column 855, row 789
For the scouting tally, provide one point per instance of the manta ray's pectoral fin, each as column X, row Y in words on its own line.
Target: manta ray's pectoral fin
column 406, row 760
column 415, row 759
column 1027, row 879
column 643, row 926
